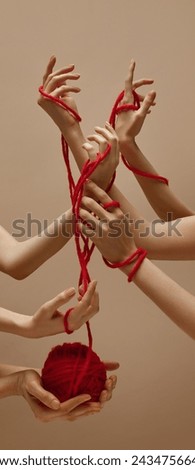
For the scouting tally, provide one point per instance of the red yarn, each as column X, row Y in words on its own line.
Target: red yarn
column 66, row 328
column 138, row 255
column 126, row 107
column 84, row 373
column 63, row 366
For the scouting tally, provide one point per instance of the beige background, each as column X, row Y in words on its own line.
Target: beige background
column 153, row 406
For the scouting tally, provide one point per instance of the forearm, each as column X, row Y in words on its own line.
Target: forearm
column 170, row 297
column 172, row 240
column 9, row 378
column 159, row 195
column 15, row 323
column 20, row 259
column 75, row 139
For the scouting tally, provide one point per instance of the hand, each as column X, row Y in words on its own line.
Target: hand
column 105, row 170
column 54, row 84
column 49, row 321
column 45, row 406
column 109, row 229
column 110, row 383
column 129, row 123
column 105, row 396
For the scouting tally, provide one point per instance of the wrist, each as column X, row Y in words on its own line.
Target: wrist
column 128, row 146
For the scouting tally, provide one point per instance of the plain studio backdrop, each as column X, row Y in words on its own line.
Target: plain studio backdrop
column 153, row 404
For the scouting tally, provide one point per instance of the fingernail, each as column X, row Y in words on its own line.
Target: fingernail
column 71, row 291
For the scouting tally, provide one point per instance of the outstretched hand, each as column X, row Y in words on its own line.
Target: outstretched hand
column 129, row 123
column 55, row 85
column 48, row 320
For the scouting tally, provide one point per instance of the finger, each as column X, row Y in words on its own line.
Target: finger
column 141, row 82
column 48, row 399
column 81, row 414
column 128, row 96
column 59, row 80
column 67, row 69
column 100, row 141
column 87, row 298
column 142, row 97
column 92, row 154
column 105, row 396
column 92, row 206
column 111, row 365
column 57, row 302
column 98, row 193
column 111, row 129
column 73, row 403
column 63, row 90
column 107, row 134
column 147, row 103
column 89, row 408
column 49, row 68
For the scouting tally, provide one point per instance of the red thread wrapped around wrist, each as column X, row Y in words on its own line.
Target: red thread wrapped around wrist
column 117, row 108
column 138, row 255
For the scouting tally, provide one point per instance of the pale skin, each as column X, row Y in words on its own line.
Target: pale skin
column 20, row 381
column 128, row 126
column 19, row 260
column 180, row 306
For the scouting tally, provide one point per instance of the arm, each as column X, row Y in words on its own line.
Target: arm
column 54, row 84
column 48, row 320
column 180, row 305
column 20, row 259
column 128, row 126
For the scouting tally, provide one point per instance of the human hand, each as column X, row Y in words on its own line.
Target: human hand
column 110, row 383
column 54, row 84
column 49, row 321
column 129, row 123
column 45, row 406
column 104, row 136
column 108, row 228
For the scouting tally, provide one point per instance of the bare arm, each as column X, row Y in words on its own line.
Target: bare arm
column 48, row 320
column 20, row 259
column 128, row 125
column 177, row 303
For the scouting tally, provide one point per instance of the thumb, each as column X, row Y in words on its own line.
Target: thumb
column 59, row 300
column 111, row 365
column 45, row 397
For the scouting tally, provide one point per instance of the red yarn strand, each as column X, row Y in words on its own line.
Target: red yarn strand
column 134, row 107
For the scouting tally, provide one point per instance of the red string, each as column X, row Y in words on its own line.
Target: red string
column 134, row 107
column 111, row 204
column 66, row 328
column 138, row 255
column 84, row 253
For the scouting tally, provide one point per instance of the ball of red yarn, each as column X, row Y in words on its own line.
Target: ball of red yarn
column 72, row 369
